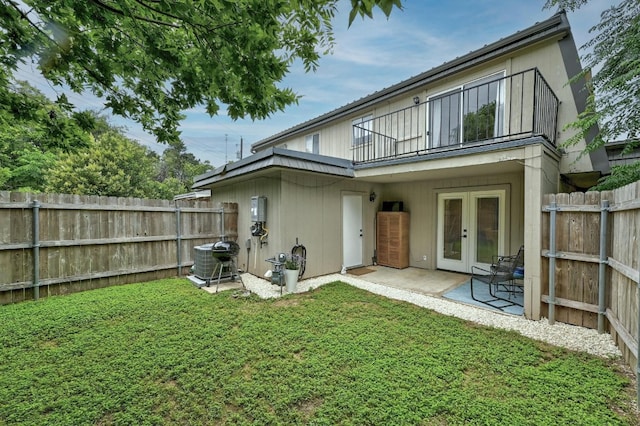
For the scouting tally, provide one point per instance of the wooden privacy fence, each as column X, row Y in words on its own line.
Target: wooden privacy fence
column 54, row 244
column 590, row 268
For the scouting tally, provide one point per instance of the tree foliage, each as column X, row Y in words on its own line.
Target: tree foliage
column 46, row 147
column 621, row 175
column 480, row 124
column 115, row 165
column 33, row 131
column 33, row 119
column 153, row 59
column 613, row 61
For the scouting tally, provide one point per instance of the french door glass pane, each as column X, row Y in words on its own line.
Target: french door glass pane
column 453, row 229
column 487, row 215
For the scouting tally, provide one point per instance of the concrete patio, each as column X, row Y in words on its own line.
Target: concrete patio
column 424, row 281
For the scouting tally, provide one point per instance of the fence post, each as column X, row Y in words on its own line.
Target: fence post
column 638, row 343
column 604, row 210
column 36, row 249
column 552, row 262
column 178, row 241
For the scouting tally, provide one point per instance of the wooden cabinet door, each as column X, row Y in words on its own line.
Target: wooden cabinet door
column 393, row 239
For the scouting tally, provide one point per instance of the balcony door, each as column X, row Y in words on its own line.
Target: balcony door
column 472, row 112
column 471, row 229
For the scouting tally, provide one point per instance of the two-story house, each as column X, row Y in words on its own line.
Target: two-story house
column 468, row 149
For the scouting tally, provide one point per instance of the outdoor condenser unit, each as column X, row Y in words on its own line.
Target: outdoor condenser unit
column 203, row 261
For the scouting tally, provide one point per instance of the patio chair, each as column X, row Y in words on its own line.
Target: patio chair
column 501, row 279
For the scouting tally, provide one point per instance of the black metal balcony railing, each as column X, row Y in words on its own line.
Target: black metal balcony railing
column 492, row 111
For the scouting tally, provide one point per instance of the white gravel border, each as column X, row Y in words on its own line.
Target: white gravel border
column 560, row 334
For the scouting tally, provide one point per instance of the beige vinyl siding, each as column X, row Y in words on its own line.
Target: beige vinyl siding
column 336, row 138
column 464, row 78
column 541, row 175
column 303, row 206
column 316, row 219
column 295, row 144
column 420, row 200
column 241, row 193
column 309, row 207
column 548, row 59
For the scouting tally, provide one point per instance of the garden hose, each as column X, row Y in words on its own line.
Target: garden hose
column 301, row 252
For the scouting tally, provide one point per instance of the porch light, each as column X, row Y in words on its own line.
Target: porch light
column 372, row 196
column 416, row 100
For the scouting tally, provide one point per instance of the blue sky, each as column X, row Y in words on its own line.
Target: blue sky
column 369, row 56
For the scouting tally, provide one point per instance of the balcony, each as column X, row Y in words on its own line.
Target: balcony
column 489, row 111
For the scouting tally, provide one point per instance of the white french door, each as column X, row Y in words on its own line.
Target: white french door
column 471, row 229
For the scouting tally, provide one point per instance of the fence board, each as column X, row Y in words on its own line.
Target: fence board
column 578, row 261
column 576, row 269
column 548, row 199
column 563, row 270
column 91, row 242
column 591, row 247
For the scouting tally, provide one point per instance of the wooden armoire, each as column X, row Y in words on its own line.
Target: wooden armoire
column 392, row 239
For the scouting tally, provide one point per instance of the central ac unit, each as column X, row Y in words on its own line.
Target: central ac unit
column 203, row 261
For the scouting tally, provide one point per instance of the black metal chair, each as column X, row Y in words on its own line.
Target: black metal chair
column 501, row 278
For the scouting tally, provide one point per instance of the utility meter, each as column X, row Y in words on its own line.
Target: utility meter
column 258, row 209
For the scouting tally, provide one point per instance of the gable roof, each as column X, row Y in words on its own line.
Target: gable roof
column 556, row 26
column 277, row 158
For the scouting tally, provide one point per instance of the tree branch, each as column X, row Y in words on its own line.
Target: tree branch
column 160, row 12
column 140, row 18
column 53, row 42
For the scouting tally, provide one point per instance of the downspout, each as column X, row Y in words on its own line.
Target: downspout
column 36, row 249
column 552, row 262
column 604, row 210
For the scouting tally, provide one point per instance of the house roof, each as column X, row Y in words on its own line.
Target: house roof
column 615, row 151
column 557, row 25
column 277, row 158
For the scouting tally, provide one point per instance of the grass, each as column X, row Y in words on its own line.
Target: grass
column 165, row 352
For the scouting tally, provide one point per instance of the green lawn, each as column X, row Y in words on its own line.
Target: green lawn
column 167, row 353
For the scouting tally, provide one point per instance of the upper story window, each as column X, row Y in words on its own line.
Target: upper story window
column 312, row 143
column 471, row 112
column 362, row 130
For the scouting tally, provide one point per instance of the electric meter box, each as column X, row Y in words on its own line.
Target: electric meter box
column 258, row 209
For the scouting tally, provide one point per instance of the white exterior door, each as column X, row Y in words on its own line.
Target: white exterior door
column 351, row 230
column 471, row 229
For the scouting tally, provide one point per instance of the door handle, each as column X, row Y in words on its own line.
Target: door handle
column 361, row 232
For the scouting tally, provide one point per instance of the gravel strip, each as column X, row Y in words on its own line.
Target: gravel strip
column 559, row 334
